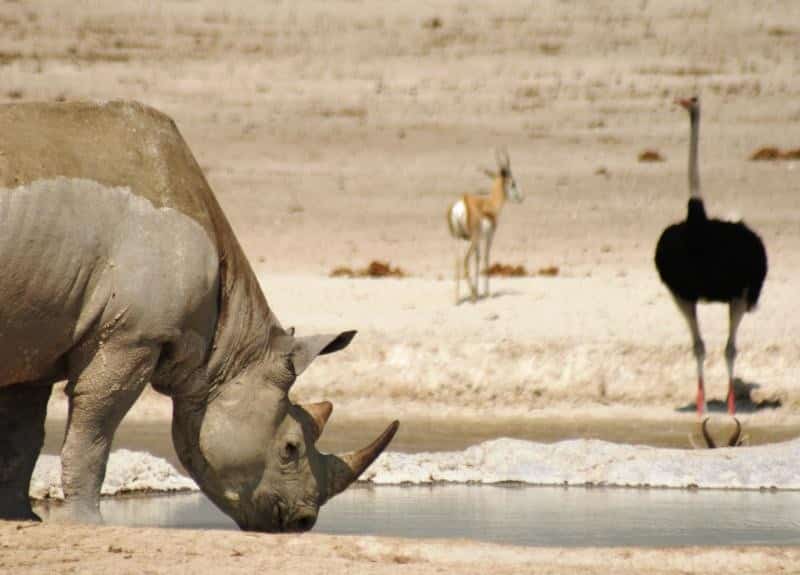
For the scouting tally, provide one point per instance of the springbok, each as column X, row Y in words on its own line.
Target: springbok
column 474, row 218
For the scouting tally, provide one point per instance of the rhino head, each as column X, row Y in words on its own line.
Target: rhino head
column 261, row 465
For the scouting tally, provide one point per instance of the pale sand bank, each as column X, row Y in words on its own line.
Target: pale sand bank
column 44, row 548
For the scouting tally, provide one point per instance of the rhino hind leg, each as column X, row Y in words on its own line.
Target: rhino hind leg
column 23, row 408
column 103, row 385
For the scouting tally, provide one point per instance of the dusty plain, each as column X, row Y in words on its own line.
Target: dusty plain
column 337, row 132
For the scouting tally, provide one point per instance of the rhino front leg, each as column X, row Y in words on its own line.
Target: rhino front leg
column 22, row 413
column 101, row 390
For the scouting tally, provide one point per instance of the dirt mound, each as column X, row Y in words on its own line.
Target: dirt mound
column 375, row 269
column 508, row 271
column 518, row 271
column 550, row 271
column 650, row 156
column 773, row 154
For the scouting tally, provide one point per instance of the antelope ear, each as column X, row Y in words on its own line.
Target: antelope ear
column 306, row 349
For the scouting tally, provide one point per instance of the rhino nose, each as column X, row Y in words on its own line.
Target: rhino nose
column 302, row 521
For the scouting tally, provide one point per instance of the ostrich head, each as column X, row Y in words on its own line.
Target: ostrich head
column 691, row 104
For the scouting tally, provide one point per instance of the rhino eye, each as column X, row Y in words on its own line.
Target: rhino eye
column 290, row 451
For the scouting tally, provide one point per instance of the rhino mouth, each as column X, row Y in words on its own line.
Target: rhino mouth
column 301, row 521
column 271, row 514
column 266, row 510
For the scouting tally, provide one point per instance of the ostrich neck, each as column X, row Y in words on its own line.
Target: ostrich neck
column 694, row 173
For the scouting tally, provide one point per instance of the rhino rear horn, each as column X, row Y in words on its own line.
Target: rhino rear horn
column 319, row 413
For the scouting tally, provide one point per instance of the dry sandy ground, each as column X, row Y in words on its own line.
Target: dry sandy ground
column 50, row 549
column 337, row 132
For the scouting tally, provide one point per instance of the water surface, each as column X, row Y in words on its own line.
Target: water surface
column 521, row 515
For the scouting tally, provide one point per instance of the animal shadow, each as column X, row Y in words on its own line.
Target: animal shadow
column 494, row 295
column 745, row 403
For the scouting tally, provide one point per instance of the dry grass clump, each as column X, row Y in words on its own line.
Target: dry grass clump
column 9, row 57
column 519, row 271
column 358, row 112
column 375, row 269
column 650, row 156
column 773, row 154
column 432, row 23
column 550, row 48
column 550, row 271
column 507, row 271
column 767, row 154
column 779, row 31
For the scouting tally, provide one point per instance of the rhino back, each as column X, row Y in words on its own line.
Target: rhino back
column 117, row 144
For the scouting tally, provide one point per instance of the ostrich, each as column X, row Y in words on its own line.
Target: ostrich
column 712, row 260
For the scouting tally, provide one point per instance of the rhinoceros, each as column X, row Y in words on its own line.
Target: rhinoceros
column 120, row 269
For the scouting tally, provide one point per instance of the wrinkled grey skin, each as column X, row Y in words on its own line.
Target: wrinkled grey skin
column 119, row 270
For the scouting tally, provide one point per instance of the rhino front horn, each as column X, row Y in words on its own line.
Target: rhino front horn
column 345, row 469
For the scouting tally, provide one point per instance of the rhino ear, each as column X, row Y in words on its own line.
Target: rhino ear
column 306, row 349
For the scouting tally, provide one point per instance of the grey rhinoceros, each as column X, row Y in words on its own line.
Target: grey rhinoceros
column 119, row 268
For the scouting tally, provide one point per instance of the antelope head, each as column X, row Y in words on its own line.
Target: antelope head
column 510, row 188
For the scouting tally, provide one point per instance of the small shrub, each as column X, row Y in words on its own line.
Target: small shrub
column 509, row 271
column 650, row 156
column 375, row 269
column 549, row 271
column 773, row 154
column 766, row 155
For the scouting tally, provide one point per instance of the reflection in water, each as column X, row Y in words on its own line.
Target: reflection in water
column 555, row 516
column 545, row 516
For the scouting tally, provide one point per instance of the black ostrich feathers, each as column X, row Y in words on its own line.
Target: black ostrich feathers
column 710, row 259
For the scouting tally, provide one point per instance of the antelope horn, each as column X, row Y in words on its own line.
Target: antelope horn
column 319, row 412
column 345, row 469
column 501, row 156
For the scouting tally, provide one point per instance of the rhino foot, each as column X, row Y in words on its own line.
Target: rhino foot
column 14, row 506
column 22, row 412
column 75, row 512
